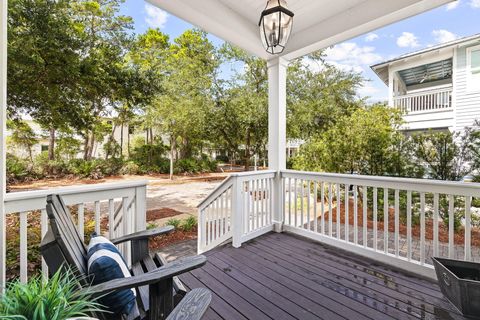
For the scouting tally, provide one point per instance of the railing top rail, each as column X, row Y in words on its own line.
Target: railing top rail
column 27, row 195
column 229, row 181
column 421, row 185
column 423, row 93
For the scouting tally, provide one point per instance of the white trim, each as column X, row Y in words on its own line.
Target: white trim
column 470, row 87
column 454, row 87
column 3, row 129
column 386, row 258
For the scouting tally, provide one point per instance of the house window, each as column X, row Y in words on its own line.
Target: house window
column 44, row 147
column 473, row 68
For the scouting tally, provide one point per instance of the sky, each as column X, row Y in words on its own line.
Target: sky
column 452, row 21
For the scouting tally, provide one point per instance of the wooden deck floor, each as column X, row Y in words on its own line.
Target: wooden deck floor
column 281, row 276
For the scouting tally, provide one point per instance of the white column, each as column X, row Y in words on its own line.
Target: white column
column 277, row 130
column 3, row 119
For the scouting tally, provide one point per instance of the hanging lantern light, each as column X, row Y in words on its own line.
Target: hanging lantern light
column 275, row 26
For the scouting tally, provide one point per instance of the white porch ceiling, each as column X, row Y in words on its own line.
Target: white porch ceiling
column 317, row 23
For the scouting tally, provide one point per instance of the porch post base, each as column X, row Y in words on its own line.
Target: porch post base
column 278, row 226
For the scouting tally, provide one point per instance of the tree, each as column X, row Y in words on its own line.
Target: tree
column 22, row 136
column 445, row 154
column 240, row 112
column 319, row 94
column 367, row 142
column 43, row 65
column 105, row 78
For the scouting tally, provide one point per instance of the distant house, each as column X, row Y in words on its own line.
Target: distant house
column 437, row 87
column 129, row 134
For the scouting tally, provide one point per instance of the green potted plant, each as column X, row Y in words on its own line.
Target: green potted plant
column 57, row 298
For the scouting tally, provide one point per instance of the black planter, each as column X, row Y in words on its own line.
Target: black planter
column 460, row 283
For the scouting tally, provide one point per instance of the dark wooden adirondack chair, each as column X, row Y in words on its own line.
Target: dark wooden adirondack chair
column 158, row 289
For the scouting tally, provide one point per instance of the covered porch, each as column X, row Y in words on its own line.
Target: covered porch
column 358, row 226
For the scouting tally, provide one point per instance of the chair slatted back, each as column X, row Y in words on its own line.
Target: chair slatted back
column 66, row 234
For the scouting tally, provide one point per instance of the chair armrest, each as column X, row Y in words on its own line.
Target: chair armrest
column 165, row 272
column 193, row 306
column 145, row 234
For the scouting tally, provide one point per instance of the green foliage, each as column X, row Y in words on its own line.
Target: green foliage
column 173, row 222
column 195, row 165
column 189, row 224
column 365, row 142
column 151, row 158
column 444, row 154
column 57, row 298
column 17, row 169
column 22, row 135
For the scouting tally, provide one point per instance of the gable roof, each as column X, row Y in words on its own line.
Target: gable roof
column 381, row 69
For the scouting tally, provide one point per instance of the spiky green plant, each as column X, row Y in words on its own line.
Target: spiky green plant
column 188, row 224
column 57, row 298
column 173, row 222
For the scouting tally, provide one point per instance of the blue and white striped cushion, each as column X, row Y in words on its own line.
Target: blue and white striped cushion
column 106, row 263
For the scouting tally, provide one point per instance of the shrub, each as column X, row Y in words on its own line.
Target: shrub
column 130, row 167
column 45, row 167
column 173, row 222
column 57, row 298
column 17, row 169
column 194, row 165
column 189, row 224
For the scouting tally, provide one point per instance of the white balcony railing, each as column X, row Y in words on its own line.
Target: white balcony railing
column 402, row 222
column 426, row 101
column 121, row 205
column 240, row 208
column 398, row 221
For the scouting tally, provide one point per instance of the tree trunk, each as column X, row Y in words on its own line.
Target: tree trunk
column 90, row 148
column 85, row 146
column 247, row 151
column 172, row 150
column 51, row 145
column 128, row 142
column 121, row 139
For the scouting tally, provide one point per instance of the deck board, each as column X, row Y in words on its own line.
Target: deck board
column 283, row 276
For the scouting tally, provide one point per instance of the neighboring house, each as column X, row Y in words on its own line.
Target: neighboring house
column 98, row 149
column 437, row 87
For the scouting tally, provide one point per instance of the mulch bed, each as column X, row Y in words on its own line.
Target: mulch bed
column 459, row 236
column 174, row 237
column 162, row 213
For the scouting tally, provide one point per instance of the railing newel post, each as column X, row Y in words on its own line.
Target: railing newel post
column 237, row 212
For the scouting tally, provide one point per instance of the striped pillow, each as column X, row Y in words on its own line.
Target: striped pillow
column 106, row 263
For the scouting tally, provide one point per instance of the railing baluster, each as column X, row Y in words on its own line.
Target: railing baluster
column 23, row 247
column 364, row 217
column 347, row 218
column 44, row 229
column 409, row 225
column 435, row 225
column 375, row 218
column 338, row 211
column 315, row 213
column 263, row 195
column 468, row 228
column 308, row 205
column 397, row 222
column 422, row 228
column 301, row 203
column 385, row 220
column 97, row 217
column 330, row 209
column 295, row 210
column 451, row 221
column 322, row 206
column 111, row 217
column 81, row 220
column 355, row 215
column 289, row 201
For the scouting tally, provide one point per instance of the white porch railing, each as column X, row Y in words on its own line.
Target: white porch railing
column 426, row 101
column 240, row 208
column 123, row 204
column 394, row 220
